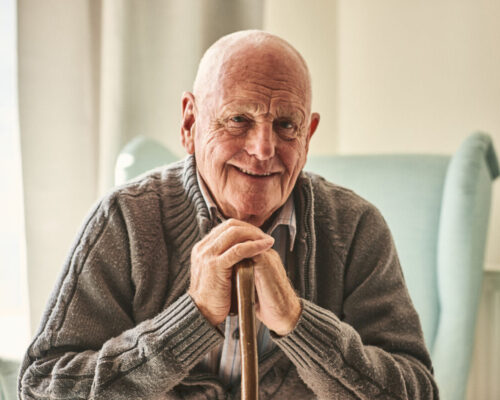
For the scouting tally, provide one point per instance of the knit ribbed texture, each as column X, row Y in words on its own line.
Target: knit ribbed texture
column 305, row 346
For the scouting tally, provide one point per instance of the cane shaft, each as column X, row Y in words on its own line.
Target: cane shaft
column 245, row 289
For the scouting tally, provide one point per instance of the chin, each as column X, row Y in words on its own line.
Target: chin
column 252, row 210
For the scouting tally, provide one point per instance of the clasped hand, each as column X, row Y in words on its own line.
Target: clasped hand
column 212, row 261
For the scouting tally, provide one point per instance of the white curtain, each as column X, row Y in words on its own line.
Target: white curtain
column 92, row 75
column 13, row 286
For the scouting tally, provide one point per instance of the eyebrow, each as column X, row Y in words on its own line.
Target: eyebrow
column 292, row 112
column 243, row 107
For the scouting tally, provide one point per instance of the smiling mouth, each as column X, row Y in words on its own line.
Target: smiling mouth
column 255, row 174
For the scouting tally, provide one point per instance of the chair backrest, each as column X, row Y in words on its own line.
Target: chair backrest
column 408, row 190
column 437, row 208
column 139, row 155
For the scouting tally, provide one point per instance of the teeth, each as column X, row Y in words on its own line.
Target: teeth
column 251, row 173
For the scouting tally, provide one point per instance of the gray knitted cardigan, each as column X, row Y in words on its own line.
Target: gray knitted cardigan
column 120, row 324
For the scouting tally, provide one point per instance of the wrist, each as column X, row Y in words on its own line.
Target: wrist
column 204, row 310
column 292, row 320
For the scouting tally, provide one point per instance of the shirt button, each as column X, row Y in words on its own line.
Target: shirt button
column 236, row 334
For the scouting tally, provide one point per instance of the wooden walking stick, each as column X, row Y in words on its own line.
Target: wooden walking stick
column 245, row 292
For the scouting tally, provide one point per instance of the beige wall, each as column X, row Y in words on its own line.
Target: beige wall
column 419, row 76
column 311, row 26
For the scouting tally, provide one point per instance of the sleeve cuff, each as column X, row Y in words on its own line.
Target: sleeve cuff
column 186, row 332
column 314, row 334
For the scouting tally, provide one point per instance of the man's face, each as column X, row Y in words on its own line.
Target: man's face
column 251, row 135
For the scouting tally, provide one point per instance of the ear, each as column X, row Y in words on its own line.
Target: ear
column 312, row 128
column 314, row 124
column 188, row 122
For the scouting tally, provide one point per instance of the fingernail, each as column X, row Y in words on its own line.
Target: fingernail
column 269, row 240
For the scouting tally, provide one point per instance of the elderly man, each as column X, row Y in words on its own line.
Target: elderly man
column 142, row 308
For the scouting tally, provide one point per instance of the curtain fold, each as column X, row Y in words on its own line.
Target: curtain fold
column 93, row 75
column 13, row 286
column 58, row 130
column 112, row 88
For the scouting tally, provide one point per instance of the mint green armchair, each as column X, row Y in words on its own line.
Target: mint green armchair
column 140, row 155
column 8, row 379
column 438, row 210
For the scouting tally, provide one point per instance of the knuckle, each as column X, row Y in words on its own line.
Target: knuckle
column 217, row 247
column 232, row 222
column 231, row 232
column 237, row 250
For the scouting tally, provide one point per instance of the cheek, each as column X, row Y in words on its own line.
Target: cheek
column 223, row 149
column 216, row 149
column 293, row 156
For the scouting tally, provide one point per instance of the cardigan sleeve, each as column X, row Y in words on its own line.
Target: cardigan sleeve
column 376, row 351
column 88, row 344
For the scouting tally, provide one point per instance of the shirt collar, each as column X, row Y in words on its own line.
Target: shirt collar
column 285, row 217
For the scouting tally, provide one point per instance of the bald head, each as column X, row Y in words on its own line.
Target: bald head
column 233, row 54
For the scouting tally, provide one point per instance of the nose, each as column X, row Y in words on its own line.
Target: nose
column 260, row 141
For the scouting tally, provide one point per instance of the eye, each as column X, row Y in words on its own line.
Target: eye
column 285, row 128
column 237, row 125
column 238, row 119
column 284, row 124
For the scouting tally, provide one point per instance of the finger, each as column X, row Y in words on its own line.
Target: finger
column 269, row 263
column 218, row 230
column 243, row 250
column 236, row 235
column 270, row 274
column 223, row 226
column 221, row 239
